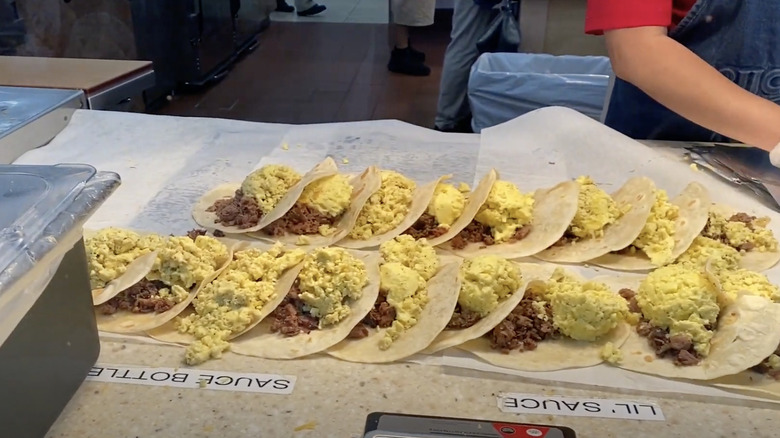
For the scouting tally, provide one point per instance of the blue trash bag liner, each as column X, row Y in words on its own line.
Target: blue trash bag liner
column 503, row 86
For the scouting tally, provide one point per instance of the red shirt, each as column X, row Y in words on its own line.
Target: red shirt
column 603, row 15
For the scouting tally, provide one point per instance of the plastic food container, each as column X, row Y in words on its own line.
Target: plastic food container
column 48, row 336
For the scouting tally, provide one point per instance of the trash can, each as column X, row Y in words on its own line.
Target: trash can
column 503, row 86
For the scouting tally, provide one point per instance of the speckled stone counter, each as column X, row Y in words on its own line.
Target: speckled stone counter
column 333, row 398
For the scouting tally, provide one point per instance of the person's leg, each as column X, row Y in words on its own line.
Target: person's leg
column 406, row 14
column 469, row 24
column 282, row 6
column 308, row 8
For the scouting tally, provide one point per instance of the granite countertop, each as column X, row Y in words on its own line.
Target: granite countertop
column 333, row 398
column 166, row 163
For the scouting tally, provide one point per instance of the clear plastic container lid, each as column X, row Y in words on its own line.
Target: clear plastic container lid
column 31, row 197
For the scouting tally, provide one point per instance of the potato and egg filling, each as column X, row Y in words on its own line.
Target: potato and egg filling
column 704, row 250
column 110, row 250
column 446, row 206
column 319, row 207
column 386, row 208
column 656, row 240
column 506, row 216
column 330, row 280
column 408, row 265
column 595, row 211
column 230, row 303
column 486, row 281
column 260, row 192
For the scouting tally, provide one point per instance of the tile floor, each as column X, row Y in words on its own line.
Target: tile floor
column 324, row 72
column 343, row 11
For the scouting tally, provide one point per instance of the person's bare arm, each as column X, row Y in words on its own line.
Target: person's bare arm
column 677, row 78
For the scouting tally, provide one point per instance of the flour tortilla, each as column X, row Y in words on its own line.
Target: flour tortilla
column 363, row 186
column 750, row 383
column 135, row 272
column 694, row 204
column 169, row 333
column 208, row 219
column 747, row 333
column 443, row 293
column 554, row 209
column 474, row 201
column 751, row 260
column 638, row 193
column 451, row 338
column 420, row 199
column 260, row 342
column 550, row 355
column 127, row 322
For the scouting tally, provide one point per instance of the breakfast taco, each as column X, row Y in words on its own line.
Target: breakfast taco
column 389, row 211
column 565, row 322
column 513, row 224
column 263, row 197
column 118, row 259
column 668, row 233
column 335, row 289
column 450, row 210
column 603, row 222
column 183, row 265
column 417, row 294
column 247, row 291
column 746, row 233
column 491, row 287
column 325, row 212
column 690, row 329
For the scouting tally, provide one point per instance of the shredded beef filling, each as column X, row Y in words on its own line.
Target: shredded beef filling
column 141, row 297
column 765, row 368
column 738, row 217
column 475, row 232
column 193, row 234
column 462, row 318
column 299, row 220
column 566, row 239
column 426, row 227
column 290, row 318
column 239, row 211
column 678, row 347
column 382, row 316
column 523, row 329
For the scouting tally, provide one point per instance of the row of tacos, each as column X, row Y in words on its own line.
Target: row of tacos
column 705, row 318
column 636, row 228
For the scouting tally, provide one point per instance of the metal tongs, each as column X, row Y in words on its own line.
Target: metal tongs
column 748, row 167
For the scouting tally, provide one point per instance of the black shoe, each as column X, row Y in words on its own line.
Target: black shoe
column 462, row 127
column 282, row 6
column 402, row 62
column 416, row 54
column 314, row 10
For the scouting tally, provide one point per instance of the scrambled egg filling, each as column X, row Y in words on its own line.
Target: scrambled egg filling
column 184, row 263
column 386, row 208
column 407, row 293
column 447, row 204
column 733, row 283
column 611, row 353
column 739, row 234
column 595, row 210
column 486, row 281
column 657, row 237
column 703, row 249
column 230, row 303
column 584, row 311
column 414, row 254
column 269, row 184
column 506, row 210
column 682, row 300
column 330, row 277
column 330, row 195
column 112, row 249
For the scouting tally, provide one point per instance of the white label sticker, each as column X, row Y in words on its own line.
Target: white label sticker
column 579, row 407
column 193, row 379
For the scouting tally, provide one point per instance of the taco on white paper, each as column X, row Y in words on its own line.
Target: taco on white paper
column 746, row 233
